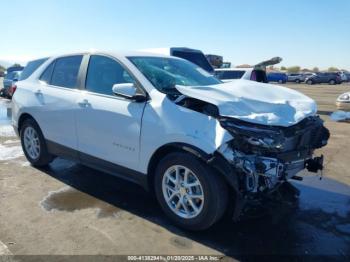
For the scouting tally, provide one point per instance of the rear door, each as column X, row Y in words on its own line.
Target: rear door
column 58, row 96
column 108, row 126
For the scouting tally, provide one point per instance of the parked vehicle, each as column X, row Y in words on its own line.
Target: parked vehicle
column 256, row 73
column 297, row 78
column 170, row 126
column 277, row 77
column 343, row 76
column 215, row 61
column 9, row 83
column 347, row 76
column 343, row 102
column 14, row 68
column 229, row 74
column 193, row 55
column 331, row 78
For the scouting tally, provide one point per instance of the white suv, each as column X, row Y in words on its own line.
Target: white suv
column 171, row 127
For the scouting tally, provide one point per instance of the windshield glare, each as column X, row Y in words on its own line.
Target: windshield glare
column 164, row 73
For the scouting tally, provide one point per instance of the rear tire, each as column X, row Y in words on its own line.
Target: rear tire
column 297, row 81
column 179, row 200
column 332, row 82
column 34, row 144
column 309, row 82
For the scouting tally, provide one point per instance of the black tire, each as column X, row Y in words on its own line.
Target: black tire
column 297, row 81
column 309, row 82
column 215, row 191
column 332, row 82
column 280, row 81
column 44, row 157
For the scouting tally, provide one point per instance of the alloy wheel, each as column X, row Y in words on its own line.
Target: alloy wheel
column 183, row 191
column 31, row 142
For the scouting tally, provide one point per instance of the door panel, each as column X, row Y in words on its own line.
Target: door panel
column 109, row 129
column 57, row 95
column 57, row 114
column 108, row 126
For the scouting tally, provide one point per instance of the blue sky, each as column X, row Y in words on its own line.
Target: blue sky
column 306, row 33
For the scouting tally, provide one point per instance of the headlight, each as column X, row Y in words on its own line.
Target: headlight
column 253, row 135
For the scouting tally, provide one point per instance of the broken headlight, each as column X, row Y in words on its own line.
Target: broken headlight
column 262, row 136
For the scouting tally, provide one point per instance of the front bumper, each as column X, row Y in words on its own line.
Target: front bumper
column 260, row 174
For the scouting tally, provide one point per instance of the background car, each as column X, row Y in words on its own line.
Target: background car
column 343, row 76
column 296, row 77
column 9, row 81
column 343, row 102
column 27, row 71
column 277, row 77
column 256, row 73
column 331, row 78
column 193, row 55
column 229, row 74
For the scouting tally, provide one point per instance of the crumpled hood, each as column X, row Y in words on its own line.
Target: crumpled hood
column 255, row 102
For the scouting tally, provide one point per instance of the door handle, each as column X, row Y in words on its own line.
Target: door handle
column 84, row 103
column 38, row 92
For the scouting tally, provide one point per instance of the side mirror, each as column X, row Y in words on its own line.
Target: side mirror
column 128, row 91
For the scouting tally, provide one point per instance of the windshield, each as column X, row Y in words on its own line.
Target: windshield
column 164, row 73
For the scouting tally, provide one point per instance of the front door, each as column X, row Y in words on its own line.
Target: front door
column 108, row 126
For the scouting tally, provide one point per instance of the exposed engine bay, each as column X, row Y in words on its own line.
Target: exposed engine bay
column 265, row 156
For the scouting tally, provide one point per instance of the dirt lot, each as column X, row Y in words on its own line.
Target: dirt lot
column 69, row 209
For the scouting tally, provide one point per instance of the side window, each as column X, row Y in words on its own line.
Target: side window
column 46, row 76
column 66, row 71
column 103, row 73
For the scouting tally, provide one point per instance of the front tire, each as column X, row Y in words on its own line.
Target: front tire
column 190, row 193
column 309, row 82
column 332, row 82
column 33, row 144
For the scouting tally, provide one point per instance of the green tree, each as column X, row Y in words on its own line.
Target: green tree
column 332, row 69
column 283, row 68
column 293, row 69
column 15, row 65
column 316, row 69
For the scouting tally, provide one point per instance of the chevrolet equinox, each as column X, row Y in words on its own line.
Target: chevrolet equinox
column 168, row 125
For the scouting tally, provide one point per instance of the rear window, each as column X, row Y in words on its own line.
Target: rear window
column 31, row 67
column 194, row 57
column 229, row 74
column 65, row 72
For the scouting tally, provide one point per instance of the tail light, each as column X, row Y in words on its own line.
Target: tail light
column 12, row 90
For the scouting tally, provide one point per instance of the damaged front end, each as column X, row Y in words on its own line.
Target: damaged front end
column 264, row 157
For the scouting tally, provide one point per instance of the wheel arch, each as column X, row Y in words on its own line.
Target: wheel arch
column 167, row 149
column 22, row 118
column 215, row 160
